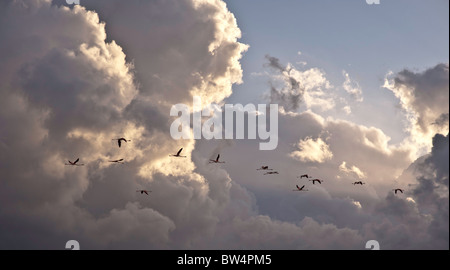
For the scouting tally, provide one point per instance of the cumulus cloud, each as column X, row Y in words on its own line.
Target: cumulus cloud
column 424, row 97
column 432, row 191
column 353, row 169
column 262, row 232
column 420, row 218
column 313, row 150
column 177, row 55
column 80, row 84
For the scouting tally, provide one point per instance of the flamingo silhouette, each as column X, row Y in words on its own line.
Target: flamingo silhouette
column 117, row 161
column 398, row 189
column 120, row 140
column 178, row 153
column 217, row 160
column 316, row 180
column 304, row 175
column 358, row 183
column 74, row 163
column 142, row 191
column 300, row 188
column 264, row 168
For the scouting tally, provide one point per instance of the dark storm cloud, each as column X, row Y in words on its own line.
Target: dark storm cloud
column 420, row 223
column 442, row 120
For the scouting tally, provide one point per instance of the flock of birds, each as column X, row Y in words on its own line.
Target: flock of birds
column 121, row 161
column 314, row 181
column 265, row 168
column 119, row 142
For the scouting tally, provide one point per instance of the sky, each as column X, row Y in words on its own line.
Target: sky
column 364, row 40
column 362, row 93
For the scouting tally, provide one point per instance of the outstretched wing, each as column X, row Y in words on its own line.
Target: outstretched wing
column 75, row 162
column 218, row 156
column 119, row 141
column 179, row 151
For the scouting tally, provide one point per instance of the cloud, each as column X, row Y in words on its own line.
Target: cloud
column 420, row 219
column 442, row 120
column 177, row 55
column 291, row 88
column 313, row 150
column 352, row 87
column 399, row 221
column 275, row 63
column 432, row 192
column 347, row 110
column 291, row 96
column 353, row 169
column 424, row 97
column 263, row 232
column 71, row 84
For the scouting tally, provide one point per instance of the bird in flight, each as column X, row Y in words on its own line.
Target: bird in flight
column 264, row 168
column 142, row 191
column 358, row 183
column 178, row 153
column 117, row 161
column 397, row 190
column 74, row 163
column 217, row 160
column 120, row 140
column 300, row 188
column 304, row 175
column 270, row 173
column 316, row 180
